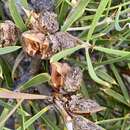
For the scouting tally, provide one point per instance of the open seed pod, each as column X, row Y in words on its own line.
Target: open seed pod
column 66, row 77
column 8, row 33
column 58, row 73
column 44, row 46
column 46, row 22
column 80, row 105
column 36, row 44
column 81, row 123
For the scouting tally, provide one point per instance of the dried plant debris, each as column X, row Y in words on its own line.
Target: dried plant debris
column 42, row 5
column 46, row 22
column 36, row 44
column 62, row 40
column 81, row 123
column 66, row 77
column 80, row 105
column 8, row 33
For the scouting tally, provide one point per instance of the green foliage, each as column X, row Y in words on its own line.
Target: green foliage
column 9, row 49
column 16, row 16
column 104, row 60
column 64, row 53
column 38, row 79
column 76, row 13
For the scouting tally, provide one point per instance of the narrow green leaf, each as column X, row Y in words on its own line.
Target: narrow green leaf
column 75, row 14
column 9, row 49
column 112, row 120
column 116, row 96
column 46, row 119
column 92, row 72
column 63, row 12
column 24, row 3
column 105, row 76
column 6, row 72
column 9, row 106
column 117, row 25
column 16, row 16
column 4, row 119
column 121, row 83
column 1, row 72
column 6, row 128
column 111, row 51
column 97, row 16
column 34, row 118
column 22, row 119
column 36, row 80
column 3, row 114
column 114, row 60
column 17, row 61
column 64, row 53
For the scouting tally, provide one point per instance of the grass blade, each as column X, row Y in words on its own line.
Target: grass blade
column 9, row 49
column 92, row 72
column 116, row 96
column 97, row 16
column 9, row 106
column 2, row 122
column 111, row 51
column 113, row 120
column 1, row 72
column 63, row 12
column 24, row 3
column 75, row 14
column 6, row 72
column 15, row 15
column 34, row 118
column 45, row 118
column 4, row 113
column 38, row 79
column 121, row 84
column 64, row 53
column 117, row 25
column 105, row 76
column 114, row 60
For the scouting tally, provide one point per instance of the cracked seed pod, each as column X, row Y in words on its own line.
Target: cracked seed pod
column 36, row 44
column 62, row 40
column 58, row 73
column 42, row 5
column 81, row 123
column 8, row 33
column 80, row 105
column 46, row 22
column 73, row 80
column 66, row 77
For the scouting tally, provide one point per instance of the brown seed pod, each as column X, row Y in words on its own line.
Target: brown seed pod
column 8, row 33
column 66, row 77
column 73, row 80
column 81, row 123
column 81, row 105
column 41, row 5
column 58, row 73
column 62, row 40
column 46, row 22
column 36, row 44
